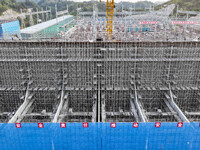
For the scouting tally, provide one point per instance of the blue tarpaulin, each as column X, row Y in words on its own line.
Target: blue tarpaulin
column 100, row 136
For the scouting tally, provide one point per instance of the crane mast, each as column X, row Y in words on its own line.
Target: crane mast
column 110, row 11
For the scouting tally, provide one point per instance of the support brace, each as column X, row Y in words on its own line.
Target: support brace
column 133, row 109
column 94, row 110
column 21, row 108
column 55, row 119
column 140, row 111
column 103, row 109
column 176, row 108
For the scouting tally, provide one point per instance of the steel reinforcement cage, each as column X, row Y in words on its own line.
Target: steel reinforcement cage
column 99, row 82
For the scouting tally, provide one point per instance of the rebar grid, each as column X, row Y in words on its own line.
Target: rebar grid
column 188, row 101
column 10, row 101
column 43, row 107
column 99, row 82
column 155, row 107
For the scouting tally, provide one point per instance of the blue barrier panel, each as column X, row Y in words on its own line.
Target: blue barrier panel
column 51, row 137
column 130, row 29
column 100, row 136
column 147, row 136
column 145, row 29
column 136, row 29
column 75, row 137
column 0, row 33
column 11, row 29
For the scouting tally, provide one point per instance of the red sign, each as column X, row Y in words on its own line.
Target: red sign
column 135, row 125
column 63, row 125
column 148, row 22
column 113, row 125
column 40, row 125
column 185, row 22
column 180, row 124
column 18, row 125
column 85, row 125
column 158, row 124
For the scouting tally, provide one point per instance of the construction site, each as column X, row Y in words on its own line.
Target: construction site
column 99, row 82
column 59, row 73
column 73, row 70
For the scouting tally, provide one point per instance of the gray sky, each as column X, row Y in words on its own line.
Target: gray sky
column 128, row 0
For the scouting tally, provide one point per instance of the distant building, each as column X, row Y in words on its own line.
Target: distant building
column 48, row 29
column 9, row 30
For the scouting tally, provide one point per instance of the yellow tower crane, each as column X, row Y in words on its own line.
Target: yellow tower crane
column 110, row 11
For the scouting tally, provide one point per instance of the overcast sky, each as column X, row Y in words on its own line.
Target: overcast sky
column 128, row 0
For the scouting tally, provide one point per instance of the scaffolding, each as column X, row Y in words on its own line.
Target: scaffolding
column 99, row 82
